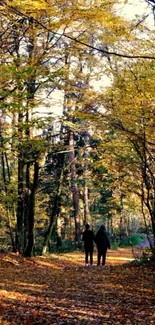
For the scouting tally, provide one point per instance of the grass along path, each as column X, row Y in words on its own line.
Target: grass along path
column 59, row 289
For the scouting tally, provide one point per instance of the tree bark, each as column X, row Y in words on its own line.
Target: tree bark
column 86, row 203
column 74, row 188
column 55, row 210
column 20, row 204
column 6, row 180
column 31, row 210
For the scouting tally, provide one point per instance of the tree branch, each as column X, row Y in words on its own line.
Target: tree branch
column 128, row 56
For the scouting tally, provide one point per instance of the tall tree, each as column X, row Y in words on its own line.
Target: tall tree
column 130, row 109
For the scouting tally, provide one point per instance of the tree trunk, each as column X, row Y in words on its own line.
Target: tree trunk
column 31, row 209
column 121, row 223
column 30, row 188
column 55, row 211
column 86, row 204
column 58, row 232
column 14, row 250
column 74, row 188
column 86, row 190
column 20, row 204
column 6, row 181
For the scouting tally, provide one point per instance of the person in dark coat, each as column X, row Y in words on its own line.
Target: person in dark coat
column 88, row 238
column 102, row 243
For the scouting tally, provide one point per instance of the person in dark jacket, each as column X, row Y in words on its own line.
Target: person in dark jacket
column 102, row 243
column 88, row 238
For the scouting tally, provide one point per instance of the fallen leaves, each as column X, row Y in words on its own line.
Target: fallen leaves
column 59, row 290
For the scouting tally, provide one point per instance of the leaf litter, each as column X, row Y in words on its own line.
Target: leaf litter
column 59, row 289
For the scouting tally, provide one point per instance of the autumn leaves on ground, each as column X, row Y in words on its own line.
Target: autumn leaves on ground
column 59, row 289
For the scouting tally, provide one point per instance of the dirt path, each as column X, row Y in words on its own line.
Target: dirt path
column 61, row 290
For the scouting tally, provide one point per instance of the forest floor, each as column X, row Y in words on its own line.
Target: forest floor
column 59, row 289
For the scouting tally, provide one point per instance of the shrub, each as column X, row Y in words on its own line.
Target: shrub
column 135, row 239
column 67, row 246
column 131, row 240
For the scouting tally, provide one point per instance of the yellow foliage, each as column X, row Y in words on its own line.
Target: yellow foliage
column 29, row 5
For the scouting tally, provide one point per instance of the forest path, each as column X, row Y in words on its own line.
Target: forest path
column 59, row 289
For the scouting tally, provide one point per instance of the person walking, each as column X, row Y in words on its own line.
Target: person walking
column 102, row 243
column 88, row 238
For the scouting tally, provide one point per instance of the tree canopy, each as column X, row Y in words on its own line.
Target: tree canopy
column 95, row 161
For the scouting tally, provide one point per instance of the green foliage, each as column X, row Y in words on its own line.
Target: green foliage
column 131, row 240
column 67, row 245
column 135, row 239
column 114, row 245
